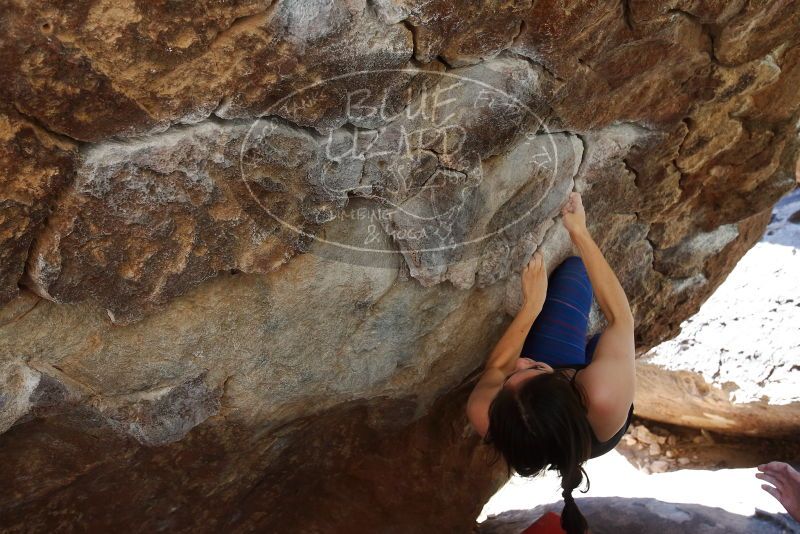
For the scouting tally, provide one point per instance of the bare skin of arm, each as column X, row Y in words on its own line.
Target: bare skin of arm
column 503, row 359
column 611, row 377
column 610, row 295
column 534, row 291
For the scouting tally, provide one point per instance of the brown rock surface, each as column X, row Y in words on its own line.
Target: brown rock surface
column 282, row 237
column 734, row 366
column 34, row 167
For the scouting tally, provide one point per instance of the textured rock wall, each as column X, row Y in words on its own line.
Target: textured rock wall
column 253, row 253
column 733, row 368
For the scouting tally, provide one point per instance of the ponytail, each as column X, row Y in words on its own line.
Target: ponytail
column 543, row 423
column 572, row 520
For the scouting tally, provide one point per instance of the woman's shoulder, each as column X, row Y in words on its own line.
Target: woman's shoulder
column 608, row 407
column 610, row 380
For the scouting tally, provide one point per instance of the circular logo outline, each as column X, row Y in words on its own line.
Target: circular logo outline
column 315, row 237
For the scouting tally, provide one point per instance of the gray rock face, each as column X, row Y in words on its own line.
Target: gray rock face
column 154, row 417
column 188, row 211
column 634, row 516
column 250, row 245
column 165, row 415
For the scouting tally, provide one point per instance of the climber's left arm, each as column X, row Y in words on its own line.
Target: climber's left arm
column 501, row 363
column 506, row 353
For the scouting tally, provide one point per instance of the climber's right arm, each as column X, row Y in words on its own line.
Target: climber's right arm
column 611, row 377
column 610, row 295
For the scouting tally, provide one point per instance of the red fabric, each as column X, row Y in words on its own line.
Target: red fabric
column 549, row 523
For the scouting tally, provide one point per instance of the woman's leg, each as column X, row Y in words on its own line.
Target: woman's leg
column 558, row 336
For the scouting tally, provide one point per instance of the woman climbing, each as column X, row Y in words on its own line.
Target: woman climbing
column 547, row 398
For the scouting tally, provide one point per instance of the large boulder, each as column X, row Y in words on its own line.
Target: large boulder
column 734, row 366
column 256, row 253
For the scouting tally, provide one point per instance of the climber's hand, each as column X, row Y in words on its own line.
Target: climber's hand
column 572, row 213
column 534, row 283
column 785, row 485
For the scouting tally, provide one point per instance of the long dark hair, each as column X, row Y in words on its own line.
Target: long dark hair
column 543, row 423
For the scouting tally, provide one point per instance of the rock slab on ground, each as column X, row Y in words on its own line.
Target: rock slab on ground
column 634, row 516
